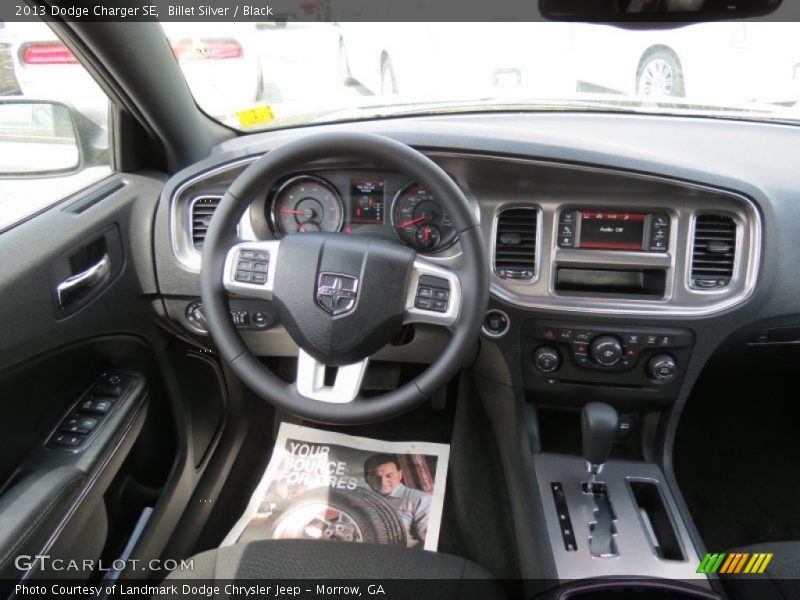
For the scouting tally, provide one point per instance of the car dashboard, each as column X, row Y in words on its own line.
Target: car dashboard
column 612, row 254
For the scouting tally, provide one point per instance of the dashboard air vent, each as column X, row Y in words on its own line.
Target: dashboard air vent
column 515, row 243
column 202, row 210
column 713, row 251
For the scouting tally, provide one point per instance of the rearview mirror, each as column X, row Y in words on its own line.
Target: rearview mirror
column 37, row 138
column 610, row 11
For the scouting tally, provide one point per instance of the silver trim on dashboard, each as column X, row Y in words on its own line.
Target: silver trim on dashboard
column 747, row 263
column 737, row 267
column 493, row 240
column 180, row 230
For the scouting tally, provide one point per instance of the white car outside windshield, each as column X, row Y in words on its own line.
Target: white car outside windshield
column 325, row 72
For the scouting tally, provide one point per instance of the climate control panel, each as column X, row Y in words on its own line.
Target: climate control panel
column 630, row 357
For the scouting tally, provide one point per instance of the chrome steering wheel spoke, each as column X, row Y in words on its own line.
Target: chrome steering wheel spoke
column 250, row 269
column 310, row 381
column 434, row 295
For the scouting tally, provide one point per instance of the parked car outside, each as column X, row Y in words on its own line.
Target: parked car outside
column 533, row 59
column 745, row 62
column 218, row 61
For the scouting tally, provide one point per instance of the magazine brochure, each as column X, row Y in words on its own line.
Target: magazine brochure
column 332, row 486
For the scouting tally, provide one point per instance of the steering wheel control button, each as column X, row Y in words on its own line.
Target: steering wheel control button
column 433, row 293
column 547, row 359
column 423, row 303
column 662, row 368
column 496, row 323
column 439, row 305
column 252, row 266
column 606, row 350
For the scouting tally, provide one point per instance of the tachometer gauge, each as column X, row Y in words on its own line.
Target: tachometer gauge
column 420, row 221
column 306, row 204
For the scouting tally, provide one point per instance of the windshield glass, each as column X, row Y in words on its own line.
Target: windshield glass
column 266, row 75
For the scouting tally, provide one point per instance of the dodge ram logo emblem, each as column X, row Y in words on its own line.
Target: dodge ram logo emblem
column 337, row 293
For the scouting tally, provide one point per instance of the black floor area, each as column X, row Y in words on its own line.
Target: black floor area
column 476, row 523
column 737, row 453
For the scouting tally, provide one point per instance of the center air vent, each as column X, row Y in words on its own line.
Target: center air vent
column 713, row 251
column 515, row 243
column 202, row 210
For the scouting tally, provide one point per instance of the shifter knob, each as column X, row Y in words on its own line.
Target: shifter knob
column 599, row 425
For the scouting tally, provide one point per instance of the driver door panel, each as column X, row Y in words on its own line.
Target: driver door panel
column 53, row 354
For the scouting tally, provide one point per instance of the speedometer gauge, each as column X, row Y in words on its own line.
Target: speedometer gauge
column 306, row 204
column 420, row 221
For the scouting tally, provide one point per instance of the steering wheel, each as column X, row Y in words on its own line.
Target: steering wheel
column 342, row 298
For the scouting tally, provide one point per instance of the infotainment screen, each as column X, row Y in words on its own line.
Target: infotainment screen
column 367, row 201
column 611, row 230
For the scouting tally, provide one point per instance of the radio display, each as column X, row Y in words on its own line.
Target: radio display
column 367, row 201
column 611, row 230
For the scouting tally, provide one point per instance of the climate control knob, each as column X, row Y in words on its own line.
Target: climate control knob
column 662, row 368
column 546, row 359
column 606, row 350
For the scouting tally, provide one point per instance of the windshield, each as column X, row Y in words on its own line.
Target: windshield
column 268, row 75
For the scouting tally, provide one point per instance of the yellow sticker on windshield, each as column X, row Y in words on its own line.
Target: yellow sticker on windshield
column 255, row 116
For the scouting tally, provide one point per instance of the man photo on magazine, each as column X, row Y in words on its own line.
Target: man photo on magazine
column 384, row 474
column 330, row 486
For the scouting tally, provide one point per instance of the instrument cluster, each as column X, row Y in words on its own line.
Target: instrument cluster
column 360, row 202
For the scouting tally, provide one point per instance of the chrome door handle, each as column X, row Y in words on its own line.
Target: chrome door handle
column 71, row 288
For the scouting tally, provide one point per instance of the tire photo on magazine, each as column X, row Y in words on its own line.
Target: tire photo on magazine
column 319, row 490
column 357, row 515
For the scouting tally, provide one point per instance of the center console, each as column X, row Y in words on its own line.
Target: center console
column 612, row 518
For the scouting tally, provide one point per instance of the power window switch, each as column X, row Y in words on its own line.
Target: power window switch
column 78, row 424
column 94, row 406
column 67, row 440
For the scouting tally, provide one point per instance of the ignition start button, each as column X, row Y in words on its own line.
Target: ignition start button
column 495, row 323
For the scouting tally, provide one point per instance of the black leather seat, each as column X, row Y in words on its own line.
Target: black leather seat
column 781, row 581
column 412, row 574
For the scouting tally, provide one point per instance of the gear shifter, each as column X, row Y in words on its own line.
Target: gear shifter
column 599, row 425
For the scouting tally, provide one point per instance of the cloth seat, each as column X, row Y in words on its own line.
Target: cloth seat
column 413, row 574
column 781, row 580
